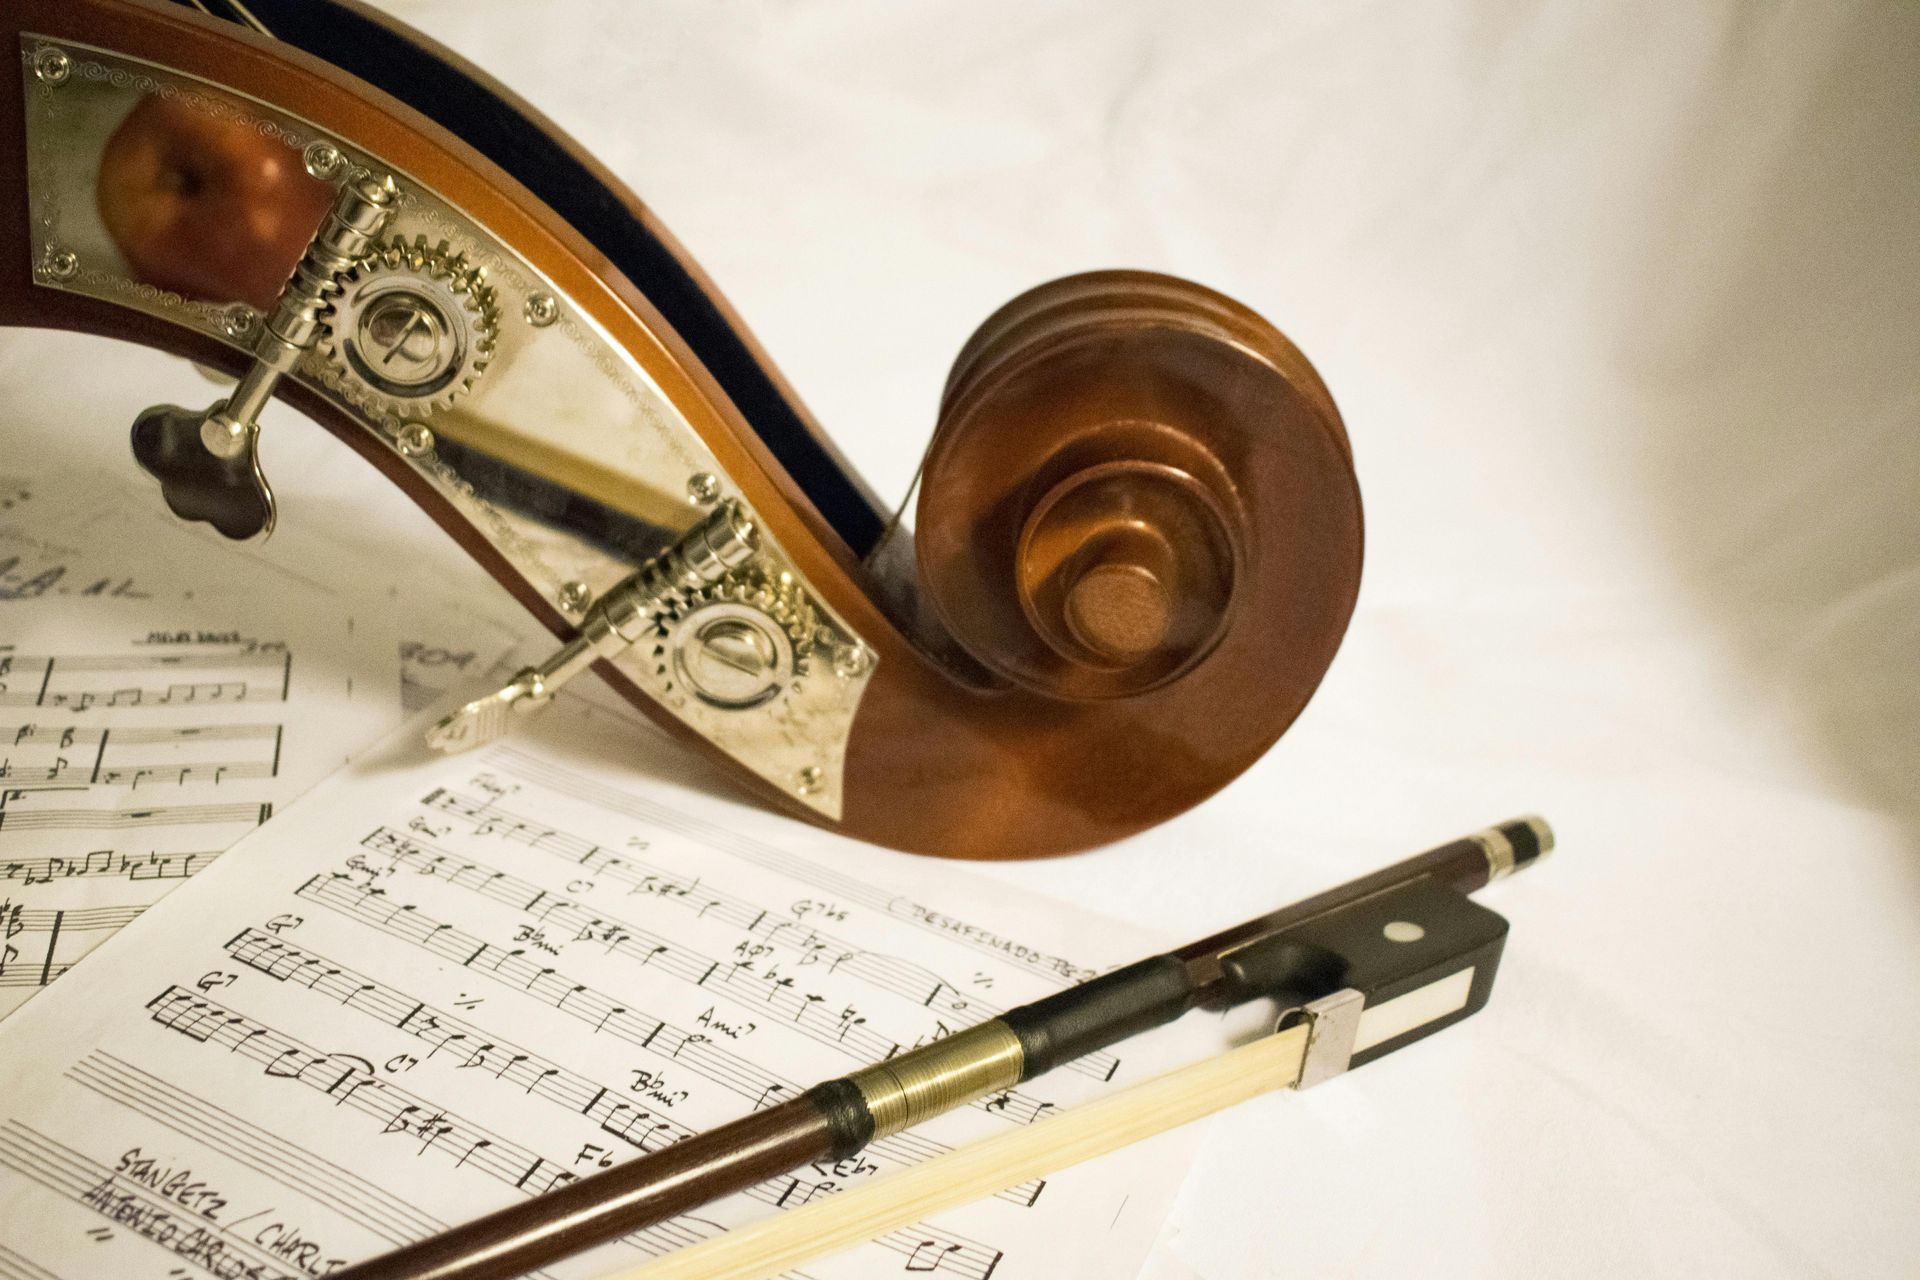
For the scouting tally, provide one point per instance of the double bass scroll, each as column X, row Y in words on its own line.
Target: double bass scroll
column 1136, row 543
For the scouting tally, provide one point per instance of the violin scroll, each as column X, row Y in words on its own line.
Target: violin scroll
column 1093, row 512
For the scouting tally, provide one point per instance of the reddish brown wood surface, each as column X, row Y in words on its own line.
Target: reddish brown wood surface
column 944, row 759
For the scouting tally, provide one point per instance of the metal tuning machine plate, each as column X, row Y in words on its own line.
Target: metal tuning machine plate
column 489, row 391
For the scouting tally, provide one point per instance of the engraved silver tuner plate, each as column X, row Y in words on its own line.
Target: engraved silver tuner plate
column 499, row 392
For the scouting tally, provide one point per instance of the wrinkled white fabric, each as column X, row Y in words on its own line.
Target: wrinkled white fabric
column 1622, row 306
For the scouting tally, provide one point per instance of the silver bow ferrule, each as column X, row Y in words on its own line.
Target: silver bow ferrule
column 622, row 616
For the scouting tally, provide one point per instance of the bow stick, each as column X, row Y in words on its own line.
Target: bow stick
column 1363, row 969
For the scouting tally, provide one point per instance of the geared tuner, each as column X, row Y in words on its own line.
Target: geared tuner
column 208, row 462
column 724, row 541
column 412, row 330
column 738, row 643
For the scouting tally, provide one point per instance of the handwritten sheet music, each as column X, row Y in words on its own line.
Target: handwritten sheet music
column 436, row 987
column 139, row 739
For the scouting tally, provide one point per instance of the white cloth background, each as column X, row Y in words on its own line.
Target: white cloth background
column 1621, row 303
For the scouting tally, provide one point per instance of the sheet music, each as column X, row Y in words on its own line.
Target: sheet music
column 139, row 738
column 61, row 540
column 438, row 986
column 86, row 840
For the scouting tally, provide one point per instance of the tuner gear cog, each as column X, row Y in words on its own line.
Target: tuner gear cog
column 741, row 642
column 411, row 330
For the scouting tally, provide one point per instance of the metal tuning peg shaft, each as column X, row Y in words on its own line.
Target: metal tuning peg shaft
column 622, row 616
column 207, row 461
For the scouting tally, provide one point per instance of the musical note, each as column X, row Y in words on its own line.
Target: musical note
column 799, row 1191
column 928, row 1255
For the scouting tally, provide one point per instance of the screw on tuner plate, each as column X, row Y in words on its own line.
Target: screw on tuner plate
column 723, row 541
column 207, row 461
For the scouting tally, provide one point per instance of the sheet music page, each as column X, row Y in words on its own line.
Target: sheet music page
column 439, row 986
column 140, row 737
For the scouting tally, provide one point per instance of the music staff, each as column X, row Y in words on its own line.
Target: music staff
column 134, row 748
column 1054, row 969
column 81, row 683
column 121, row 1083
column 909, row 981
column 106, row 864
column 34, row 756
column 16, row 818
column 350, row 1081
column 513, row 968
column 216, row 1250
column 470, row 1047
column 811, row 1014
column 845, row 1030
